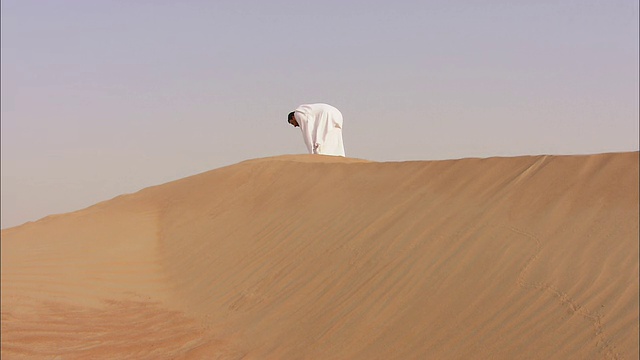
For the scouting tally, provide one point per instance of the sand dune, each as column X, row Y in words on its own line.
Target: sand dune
column 320, row 257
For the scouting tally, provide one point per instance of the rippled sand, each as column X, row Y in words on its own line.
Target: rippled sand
column 320, row 257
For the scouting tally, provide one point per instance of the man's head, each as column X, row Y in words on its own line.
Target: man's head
column 292, row 119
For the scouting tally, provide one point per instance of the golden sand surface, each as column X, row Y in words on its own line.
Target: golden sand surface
column 316, row 257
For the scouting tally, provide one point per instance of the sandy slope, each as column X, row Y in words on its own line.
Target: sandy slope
column 328, row 258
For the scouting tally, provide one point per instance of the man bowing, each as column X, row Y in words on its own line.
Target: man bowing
column 321, row 126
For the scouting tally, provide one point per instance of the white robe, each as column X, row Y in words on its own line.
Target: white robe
column 321, row 126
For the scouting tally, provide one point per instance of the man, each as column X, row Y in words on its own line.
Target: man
column 321, row 126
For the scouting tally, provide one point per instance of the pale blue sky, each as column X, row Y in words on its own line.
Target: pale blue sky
column 101, row 98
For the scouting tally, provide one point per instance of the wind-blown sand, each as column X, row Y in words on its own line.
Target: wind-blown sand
column 328, row 258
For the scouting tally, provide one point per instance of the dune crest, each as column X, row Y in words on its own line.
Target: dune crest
column 303, row 256
column 306, row 158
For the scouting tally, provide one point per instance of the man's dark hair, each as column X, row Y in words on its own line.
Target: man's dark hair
column 291, row 116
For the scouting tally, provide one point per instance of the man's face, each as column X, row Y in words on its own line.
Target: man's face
column 293, row 121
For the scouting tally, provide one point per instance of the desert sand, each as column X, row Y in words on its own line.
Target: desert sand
column 316, row 257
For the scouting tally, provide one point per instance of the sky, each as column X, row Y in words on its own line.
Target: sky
column 102, row 98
